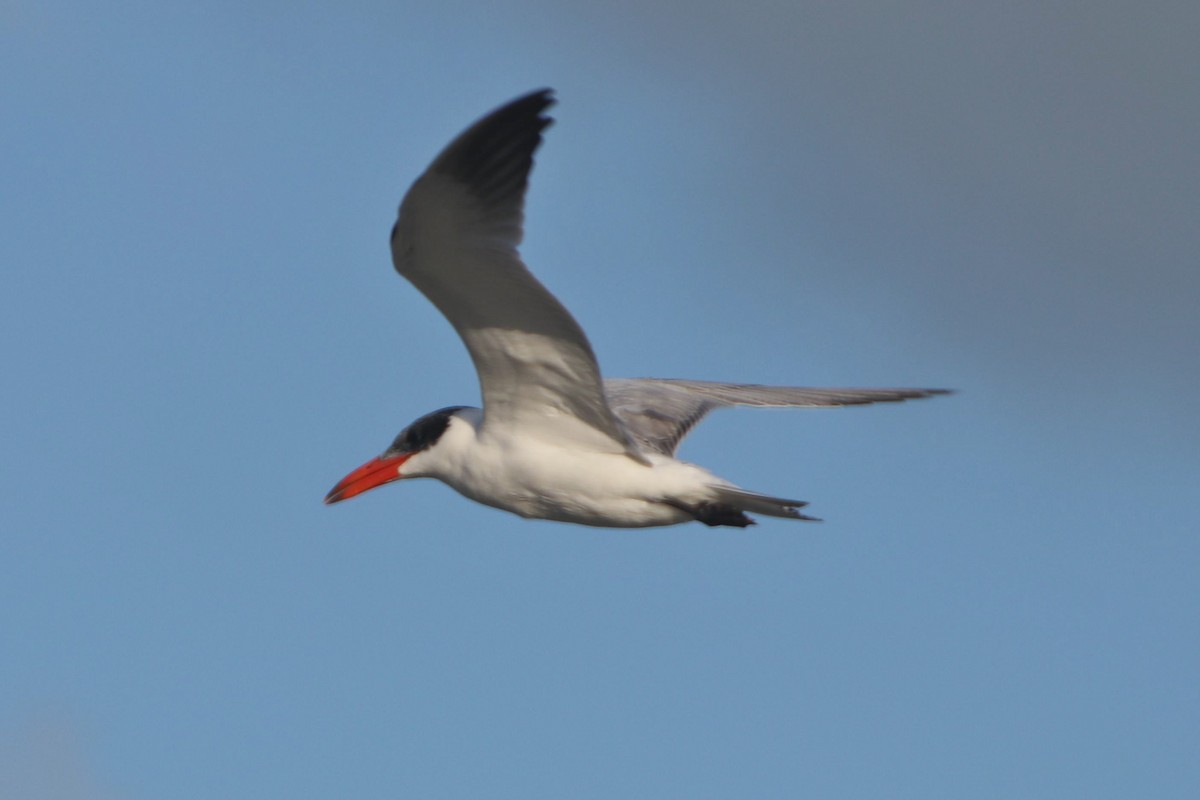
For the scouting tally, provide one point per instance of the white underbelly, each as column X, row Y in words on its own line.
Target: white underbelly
column 604, row 489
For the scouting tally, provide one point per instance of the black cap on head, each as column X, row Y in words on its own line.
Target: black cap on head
column 424, row 432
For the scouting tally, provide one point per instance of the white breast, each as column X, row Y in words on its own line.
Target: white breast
column 545, row 480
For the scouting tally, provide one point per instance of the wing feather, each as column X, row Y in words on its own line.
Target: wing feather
column 659, row 412
column 456, row 240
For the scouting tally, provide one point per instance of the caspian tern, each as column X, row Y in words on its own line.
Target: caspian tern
column 553, row 440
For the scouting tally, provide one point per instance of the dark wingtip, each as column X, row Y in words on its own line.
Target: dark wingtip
column 493, row 157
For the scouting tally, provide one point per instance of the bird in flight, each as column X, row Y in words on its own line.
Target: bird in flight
column 554, row 440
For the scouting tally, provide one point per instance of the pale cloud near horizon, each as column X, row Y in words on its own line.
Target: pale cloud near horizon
column 1022, row 176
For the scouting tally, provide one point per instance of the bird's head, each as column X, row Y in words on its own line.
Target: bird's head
column 397, row 461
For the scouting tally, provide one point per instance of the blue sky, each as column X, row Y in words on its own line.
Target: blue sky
column 202, row 332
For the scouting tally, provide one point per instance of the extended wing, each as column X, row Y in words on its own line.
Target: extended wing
column 659, row 412
column 456, row 241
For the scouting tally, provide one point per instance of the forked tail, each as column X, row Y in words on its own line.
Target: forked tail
column 763, row 504
column 732, row 503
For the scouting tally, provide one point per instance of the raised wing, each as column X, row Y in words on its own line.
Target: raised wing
column 456, row 241
column 659, row 412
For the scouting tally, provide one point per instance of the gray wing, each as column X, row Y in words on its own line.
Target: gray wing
column 456, row 240
column 659, row 412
